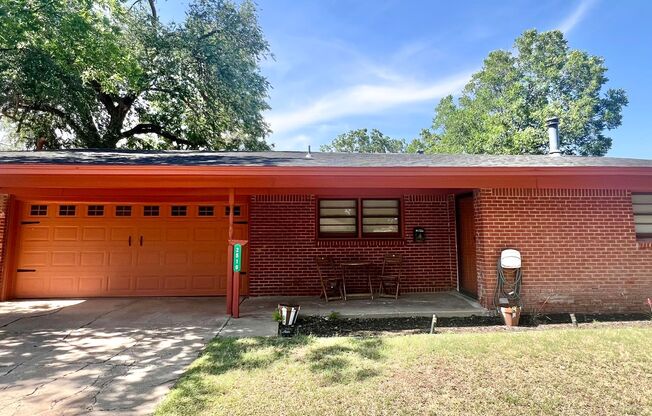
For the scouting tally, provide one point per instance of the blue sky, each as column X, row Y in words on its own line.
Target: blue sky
column 385, row 64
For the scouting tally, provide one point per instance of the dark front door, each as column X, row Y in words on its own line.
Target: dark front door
column 466, row 246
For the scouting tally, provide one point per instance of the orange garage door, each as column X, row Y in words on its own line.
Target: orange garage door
column 85, row 249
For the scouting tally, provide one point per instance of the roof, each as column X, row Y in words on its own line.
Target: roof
column 299, row 159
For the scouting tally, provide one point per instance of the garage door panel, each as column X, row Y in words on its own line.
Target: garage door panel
column 93, row 259
column 94, row 234
column 204, row 257
column 64, row 258
column 148, row 258
column 120, row 282
column 62, row 285
column 65, row 233
column 176, row 283
column 102, row 254
column 204, row 282
column 32, row 286
column 122, row 234
column 177, row 234
column 35, row 233
column 92, row 285
column 31, row 259
column 120, row 258
column 148, row 282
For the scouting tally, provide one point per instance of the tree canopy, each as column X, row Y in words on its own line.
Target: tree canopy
column 107, row 73
column 503, row 109
column 364, row 141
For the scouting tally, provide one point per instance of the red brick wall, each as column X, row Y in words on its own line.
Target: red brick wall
column 283, row 246
column 4, row 205
column 579, row 248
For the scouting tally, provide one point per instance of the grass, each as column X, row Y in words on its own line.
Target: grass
column 558, row 371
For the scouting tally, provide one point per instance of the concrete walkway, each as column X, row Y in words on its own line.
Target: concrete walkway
column 256, row 312
column 444, row 304
column 116, row 356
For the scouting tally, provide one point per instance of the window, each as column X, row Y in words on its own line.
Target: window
column 123, row 211
column 38, row 210
column 206, row 211
column 151, row 211
column 338, row 218
column 642, row 215
column 365, row 218
column 381, row 218
column 179, row 211
column 67, row 210
column 95, row 210
column 236, row 210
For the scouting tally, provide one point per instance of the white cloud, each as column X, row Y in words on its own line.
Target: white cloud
column 576, row 17
column 364, row 99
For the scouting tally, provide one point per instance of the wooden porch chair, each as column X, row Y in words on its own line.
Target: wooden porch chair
column 390, row 276
column 330, row 278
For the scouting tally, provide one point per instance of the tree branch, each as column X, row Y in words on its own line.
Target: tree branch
column 145, row 128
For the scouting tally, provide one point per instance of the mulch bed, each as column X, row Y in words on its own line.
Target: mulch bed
column 321, row 326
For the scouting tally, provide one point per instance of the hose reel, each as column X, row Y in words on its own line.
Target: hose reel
column 508, row 291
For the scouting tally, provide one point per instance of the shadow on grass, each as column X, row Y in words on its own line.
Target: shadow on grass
column 197, row 387
column 344, row 363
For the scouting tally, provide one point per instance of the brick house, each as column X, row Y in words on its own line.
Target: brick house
column 118, row 223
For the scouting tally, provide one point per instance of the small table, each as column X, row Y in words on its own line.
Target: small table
column 357, row 265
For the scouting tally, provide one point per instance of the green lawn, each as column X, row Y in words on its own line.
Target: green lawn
column 594, row 371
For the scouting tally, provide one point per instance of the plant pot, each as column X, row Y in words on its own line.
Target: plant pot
column 510, row 315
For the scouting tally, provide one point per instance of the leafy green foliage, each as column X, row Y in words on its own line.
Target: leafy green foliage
column 504, row 107
column 364, row 141
column 107, row 73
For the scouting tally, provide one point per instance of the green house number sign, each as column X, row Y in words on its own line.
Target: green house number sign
column 237, row 257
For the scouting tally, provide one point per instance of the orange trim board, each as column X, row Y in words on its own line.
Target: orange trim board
column 260, row 178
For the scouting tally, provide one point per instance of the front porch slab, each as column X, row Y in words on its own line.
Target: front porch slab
column 444, row 304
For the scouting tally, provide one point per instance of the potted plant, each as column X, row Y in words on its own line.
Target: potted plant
column 511, row 314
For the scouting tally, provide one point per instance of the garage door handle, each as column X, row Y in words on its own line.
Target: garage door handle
column 141, row 240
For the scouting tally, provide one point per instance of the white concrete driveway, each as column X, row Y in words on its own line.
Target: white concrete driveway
column 115, row 356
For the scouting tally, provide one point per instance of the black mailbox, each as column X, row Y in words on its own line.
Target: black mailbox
column 419, row 234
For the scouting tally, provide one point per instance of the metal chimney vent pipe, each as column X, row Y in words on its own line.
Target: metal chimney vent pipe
column 553, row 136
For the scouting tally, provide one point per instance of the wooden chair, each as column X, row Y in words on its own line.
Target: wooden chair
column 331, row 279
column 390, row 276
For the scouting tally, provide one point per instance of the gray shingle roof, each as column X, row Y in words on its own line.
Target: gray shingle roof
column 298, row 159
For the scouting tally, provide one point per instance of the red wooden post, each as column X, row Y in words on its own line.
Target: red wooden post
column 233, row 284
column 229, row 262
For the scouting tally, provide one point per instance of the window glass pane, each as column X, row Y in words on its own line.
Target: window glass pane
column 337, row 229
column 95, row 210
column 337, row 221
column 379, row 203
column 236, row 210
column 151, row 211
column 337, row 212
column 38, row 210
column 380, row 211
column 337, row 203
column 123, row 211
column 179, row 210
column 67, row 210
column 206, row 211
column 368, row 229
column 381, row 220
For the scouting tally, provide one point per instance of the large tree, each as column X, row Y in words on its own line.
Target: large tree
column 504, row 107
column 364, row 141
column 107, row 73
